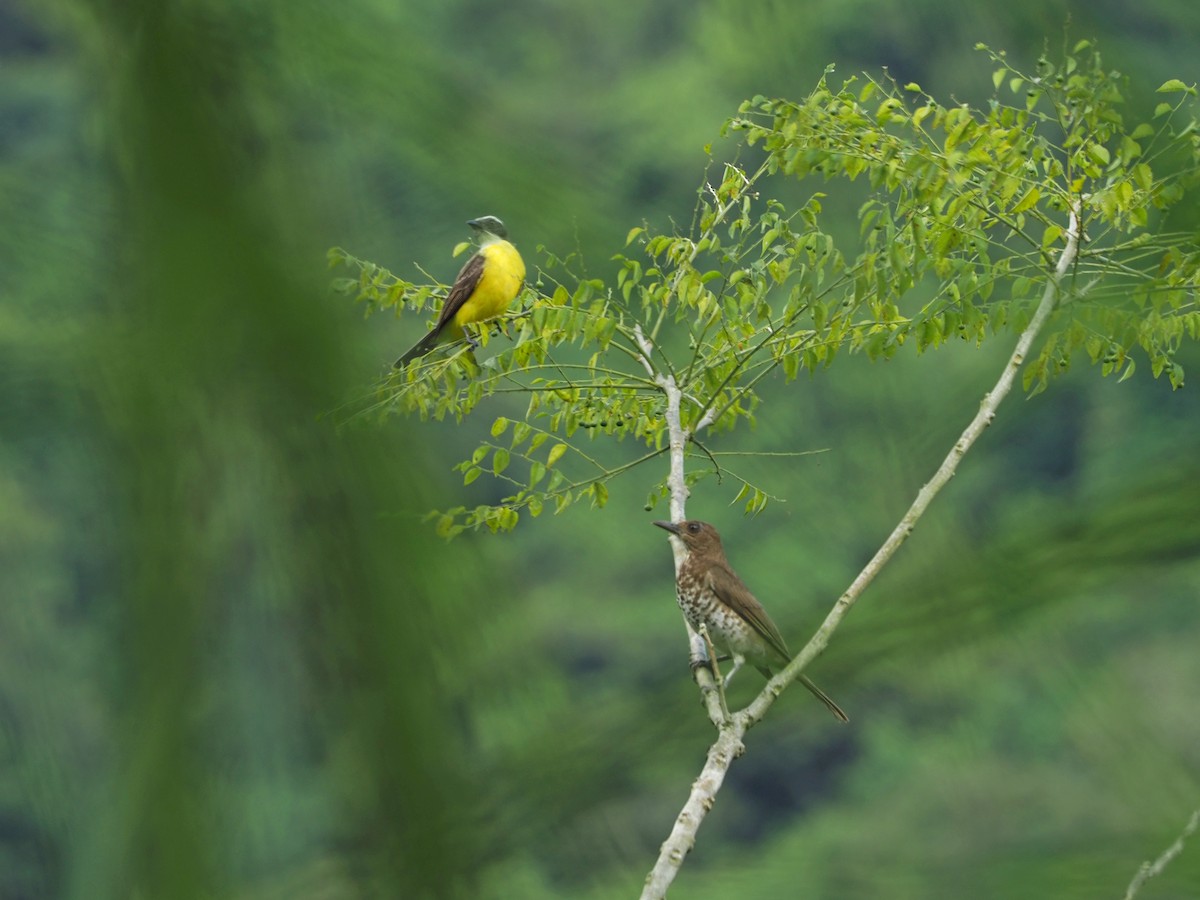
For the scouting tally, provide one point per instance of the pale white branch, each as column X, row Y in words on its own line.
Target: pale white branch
column 646, row 349
column 728, row 744
column 705, row 420
column 987, row 412
column 677, row 437
column 727, row 747
column 677, row 488
column 1150, row 869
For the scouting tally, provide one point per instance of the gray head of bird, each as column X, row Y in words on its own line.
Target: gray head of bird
column 488, row 225
column 697, row 536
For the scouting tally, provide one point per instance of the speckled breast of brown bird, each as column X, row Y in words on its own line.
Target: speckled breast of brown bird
column 729, row 632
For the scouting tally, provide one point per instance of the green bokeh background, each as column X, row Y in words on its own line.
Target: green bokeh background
column 235, row 663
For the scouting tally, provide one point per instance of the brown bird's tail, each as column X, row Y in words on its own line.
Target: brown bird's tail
column 420, row 348
column 824, row 698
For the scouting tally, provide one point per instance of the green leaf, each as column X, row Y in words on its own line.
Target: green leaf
column 1028, row 201
column 1144, row 176
column 1099, row 153
column 472, row 473
column 1174, row 86
column 1051, row 234
column 520, row 433
column 500, row 460
column 555, row 454
column 499, row 426
column 537, row 472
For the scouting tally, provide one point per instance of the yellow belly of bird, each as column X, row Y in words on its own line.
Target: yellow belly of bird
column 503, row 275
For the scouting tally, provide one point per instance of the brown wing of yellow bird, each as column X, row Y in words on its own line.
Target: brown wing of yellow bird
column 464, row 286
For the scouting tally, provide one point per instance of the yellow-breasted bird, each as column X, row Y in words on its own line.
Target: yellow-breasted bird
column 711, row 594
column 489, row 281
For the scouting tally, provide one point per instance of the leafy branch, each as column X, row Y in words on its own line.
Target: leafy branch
column 962, row 215
column 1043, row 218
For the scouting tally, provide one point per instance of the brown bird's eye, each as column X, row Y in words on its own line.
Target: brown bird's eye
column 693, row 527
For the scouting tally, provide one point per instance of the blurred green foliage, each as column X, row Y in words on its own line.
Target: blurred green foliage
column 235, row 662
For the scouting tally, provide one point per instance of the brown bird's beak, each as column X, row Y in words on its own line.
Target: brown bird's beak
column 668, row 526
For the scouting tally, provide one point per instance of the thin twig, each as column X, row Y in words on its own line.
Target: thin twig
column 1150, row 869
column 712, row 459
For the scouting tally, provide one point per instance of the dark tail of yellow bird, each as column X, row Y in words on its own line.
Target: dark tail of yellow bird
column 420, row 348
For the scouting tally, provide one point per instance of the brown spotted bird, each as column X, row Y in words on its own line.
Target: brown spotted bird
column 711, row 594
